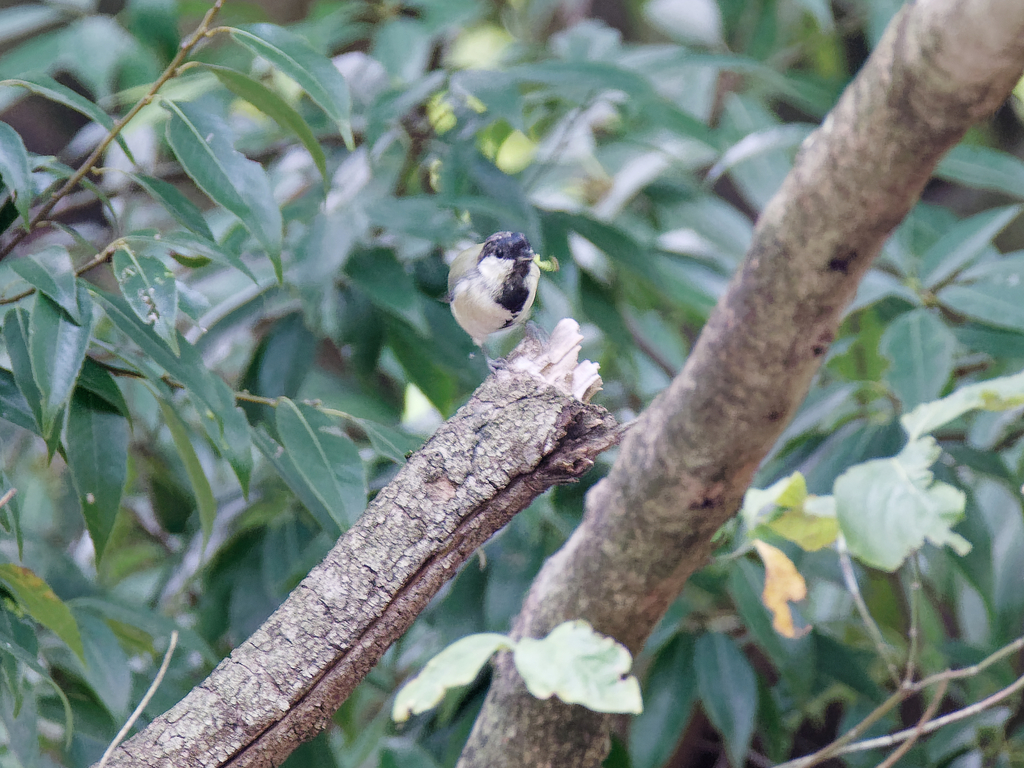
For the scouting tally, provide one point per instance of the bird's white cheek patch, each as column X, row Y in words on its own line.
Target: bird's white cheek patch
column 494, row 272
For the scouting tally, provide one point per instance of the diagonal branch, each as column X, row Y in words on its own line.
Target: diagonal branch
column 515, row 438
column 681, row 472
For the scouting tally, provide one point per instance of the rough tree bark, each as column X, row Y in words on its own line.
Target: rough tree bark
column 682, row 470
column 525, row 429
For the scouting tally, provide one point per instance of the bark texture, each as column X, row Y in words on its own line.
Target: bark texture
column 684, row 466
column 515, row 438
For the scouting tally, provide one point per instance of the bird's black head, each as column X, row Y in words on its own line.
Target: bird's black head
column 508, row 245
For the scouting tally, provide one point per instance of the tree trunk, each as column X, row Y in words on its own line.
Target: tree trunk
column 684, row 466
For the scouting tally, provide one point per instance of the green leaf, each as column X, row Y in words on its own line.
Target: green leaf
column 325, row 458
column 150, row 290
column 728, row 689
column 105, row 665
column 389, row 442
column 98, row 380
column 56, row 347
column 888, row 508
column 10, row 513
column 274, row 107
column 197, row 477
column 202, row 145
column 788, row 136
column 456, row 665
column 670, row 690
column 96, row 442
column 35, row 596
column 990, row 293
column 389, row 286
column 50, row 272
column 48, row 88
column 13, row 405
column 314, row 72
column 192, row 247
column 15, row 170
column 964, row 243
column 580, row 666
column 225, row 422
column 282, row 462
column 180, row 207
column 983, row 168
column 16, row 325
column 789, row 511
column 919, row 347
column 10, row 646
column 999, row 394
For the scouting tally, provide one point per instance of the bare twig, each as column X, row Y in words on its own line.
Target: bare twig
column 929, row 713
column 934, row 725
column 144, row 703
column 844, row 744
column 172, row 69
column 869, row 623
column 915, row 619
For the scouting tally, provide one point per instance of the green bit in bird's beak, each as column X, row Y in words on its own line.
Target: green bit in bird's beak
column 546, row 265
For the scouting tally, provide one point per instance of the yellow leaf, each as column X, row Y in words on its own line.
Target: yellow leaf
column 808, row 531
column 783, row 584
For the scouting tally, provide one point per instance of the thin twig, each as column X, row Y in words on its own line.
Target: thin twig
column 844, row 744
column 6, row 498
column 830, row 750
column 876, row 634
column 95, row 261
column 142, row 704
column 974, row 669
column 172, row 70
column 929, row 713
column 915, row 620
column 934, row 725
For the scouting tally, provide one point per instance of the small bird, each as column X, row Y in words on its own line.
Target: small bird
column 492, row 285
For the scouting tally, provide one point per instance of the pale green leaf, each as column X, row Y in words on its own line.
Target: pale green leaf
column 580, row 666
column 456, row 665
column 888, row 508
column 998, row 394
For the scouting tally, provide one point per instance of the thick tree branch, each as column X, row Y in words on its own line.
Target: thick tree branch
column 683, row 469
column 515, row 438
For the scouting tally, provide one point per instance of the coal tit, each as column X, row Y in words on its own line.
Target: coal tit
column 493, row 284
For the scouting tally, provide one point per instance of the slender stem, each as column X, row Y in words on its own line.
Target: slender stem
column 915, row 620
column 934, row 725
column 929, row 713
column 844, row 744
column 95, row 261
column 6, row 498
column 851, row 584
column 145, row 701
column 172, row 69
column 974, row 669
column 837, row 746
